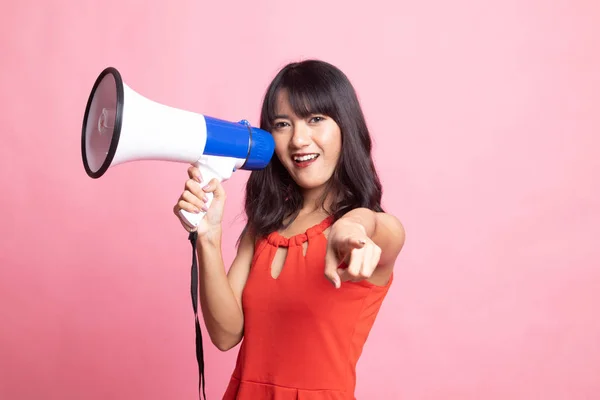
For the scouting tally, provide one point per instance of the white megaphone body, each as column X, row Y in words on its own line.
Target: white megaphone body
column 120, row 126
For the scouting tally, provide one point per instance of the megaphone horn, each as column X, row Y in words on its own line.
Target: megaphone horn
column 121, row 125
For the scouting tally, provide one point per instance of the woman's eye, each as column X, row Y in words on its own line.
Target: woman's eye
column 316, row 119
column 279, row 125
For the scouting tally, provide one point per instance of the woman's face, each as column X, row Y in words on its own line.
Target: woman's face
column 309, row 148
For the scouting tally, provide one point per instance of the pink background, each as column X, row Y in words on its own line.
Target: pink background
column 487, row 132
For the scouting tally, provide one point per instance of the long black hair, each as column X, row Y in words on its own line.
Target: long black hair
column 314, row 86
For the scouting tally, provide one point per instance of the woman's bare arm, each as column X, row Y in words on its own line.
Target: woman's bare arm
column 220, row 292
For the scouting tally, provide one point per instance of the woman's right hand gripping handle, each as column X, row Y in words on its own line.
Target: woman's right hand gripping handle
column 194, row 199
column 220, row 293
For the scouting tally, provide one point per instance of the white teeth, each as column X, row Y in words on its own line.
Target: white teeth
column 305, row 158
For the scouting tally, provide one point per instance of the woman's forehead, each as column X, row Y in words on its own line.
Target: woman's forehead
column 293, row 105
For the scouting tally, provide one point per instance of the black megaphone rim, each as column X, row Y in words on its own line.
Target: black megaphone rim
column 117, row 126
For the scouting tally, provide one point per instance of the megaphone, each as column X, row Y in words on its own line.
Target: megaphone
column 121, row 125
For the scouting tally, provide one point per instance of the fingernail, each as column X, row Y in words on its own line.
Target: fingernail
column 206, row 187
column 362, row 241
column 205, row 199
column 204, row 208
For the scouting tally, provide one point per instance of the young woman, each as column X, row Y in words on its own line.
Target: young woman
column 316, row 257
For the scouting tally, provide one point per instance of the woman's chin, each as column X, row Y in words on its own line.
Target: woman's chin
column 312, row 185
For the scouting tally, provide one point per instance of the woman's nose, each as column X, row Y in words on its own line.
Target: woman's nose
column 301, row 135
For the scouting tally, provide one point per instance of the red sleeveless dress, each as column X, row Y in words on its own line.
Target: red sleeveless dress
column 302, row 336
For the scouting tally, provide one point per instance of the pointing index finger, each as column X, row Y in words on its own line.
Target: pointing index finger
column 331, row 266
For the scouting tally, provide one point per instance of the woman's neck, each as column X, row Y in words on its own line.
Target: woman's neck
column 316, row 200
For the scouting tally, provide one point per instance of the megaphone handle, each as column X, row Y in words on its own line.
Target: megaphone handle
column 193, row 219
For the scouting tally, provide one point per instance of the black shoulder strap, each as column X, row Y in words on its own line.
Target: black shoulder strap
column 194, row 291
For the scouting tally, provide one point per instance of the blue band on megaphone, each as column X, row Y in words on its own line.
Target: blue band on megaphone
column 239, row 140
column 226, row 139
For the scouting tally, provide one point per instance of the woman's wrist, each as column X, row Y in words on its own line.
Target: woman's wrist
column 210, row 238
